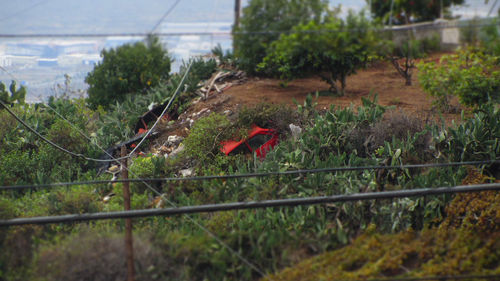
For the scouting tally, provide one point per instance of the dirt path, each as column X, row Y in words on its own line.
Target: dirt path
column 381, row 79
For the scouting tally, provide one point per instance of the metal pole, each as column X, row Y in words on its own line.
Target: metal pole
column 129, row 248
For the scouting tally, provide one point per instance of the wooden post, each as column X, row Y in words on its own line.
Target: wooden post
column 129, row 249
column 237, row 8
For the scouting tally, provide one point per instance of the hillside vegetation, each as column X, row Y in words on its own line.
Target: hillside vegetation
column 404, row 237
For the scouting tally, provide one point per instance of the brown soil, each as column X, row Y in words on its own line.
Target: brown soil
column 381, row 79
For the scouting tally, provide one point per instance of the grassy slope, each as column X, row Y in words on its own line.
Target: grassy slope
column 467, row 241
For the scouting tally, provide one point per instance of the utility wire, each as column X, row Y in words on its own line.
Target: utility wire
column 94, row 159
column 164, row 16
column 252, row 175
column 252, row 205
column 164, row 110
column 49, row 141
column 15, row 14
column 169, row 34
column 163, row 198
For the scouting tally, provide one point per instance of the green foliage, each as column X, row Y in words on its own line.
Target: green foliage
column 128, row 69
column 226, row 59
column 12, row 96
column 418, row 48
column 470, row 74
column 408, row 11
column 93, row 255
column 250, row 44
column 267, row 115
column 147, row 167
column 204, row 140
column 490, row 38
column 473, row 139
column 333, row 55
column 466, row 242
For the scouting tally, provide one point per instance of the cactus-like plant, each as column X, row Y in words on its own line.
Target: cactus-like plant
column 12, row 95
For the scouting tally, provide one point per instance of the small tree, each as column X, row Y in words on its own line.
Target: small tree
column 333, row 50
column 127, row 69
column 470, row 74
column 407, row 11
column 262, row 22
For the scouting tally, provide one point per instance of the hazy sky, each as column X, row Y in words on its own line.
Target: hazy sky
column 129, row 16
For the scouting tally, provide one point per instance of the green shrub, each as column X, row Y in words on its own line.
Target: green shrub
column 204, row 140
column 12, row 96
column 408, row 11
column 473, row 139
column 128, row 69
column 490, row 38
column 470, row 74
column 147, row 167
column 91, row 255
column 267, row 115
column 251, row 38
column 333, row 55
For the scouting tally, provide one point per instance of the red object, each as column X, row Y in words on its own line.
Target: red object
column 259, row 141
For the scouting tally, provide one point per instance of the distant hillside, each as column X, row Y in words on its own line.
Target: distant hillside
column 105, row 16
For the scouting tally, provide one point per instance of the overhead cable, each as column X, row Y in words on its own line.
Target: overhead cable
column 164, row 16
column 90, row 158
column 252, row 205
column 253, row 175
column 170, row 102
column 171, row 34
column 55, row 145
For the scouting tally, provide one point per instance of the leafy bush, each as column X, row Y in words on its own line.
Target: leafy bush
column 226, row 59
column 470, row 74
column 146, row 167
column 12, row 96
column 90, row 255
column 408, row 11
column 267, row 115
column 251, row 39
column 204, row 140
column 333, row 55
column 128, row 69
column 365, row 140
column 490, row 38
column 473, row 139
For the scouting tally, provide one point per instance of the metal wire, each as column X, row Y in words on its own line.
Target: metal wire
column 94, row 159
column 262, row 32
column 164, row 16
column 252, row 205
column 252, row 175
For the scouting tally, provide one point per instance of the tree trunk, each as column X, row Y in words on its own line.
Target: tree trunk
column 342, row 84
column 408, row 80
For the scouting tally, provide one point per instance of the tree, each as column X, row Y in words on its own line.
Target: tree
column 262, row 22
column 408, row 11
column 333, row 50
column 127, row 69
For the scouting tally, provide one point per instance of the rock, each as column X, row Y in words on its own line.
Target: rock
column 296, row 130
column 186, row 172
column 174, row 140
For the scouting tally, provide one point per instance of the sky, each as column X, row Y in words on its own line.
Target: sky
column 139, row 16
